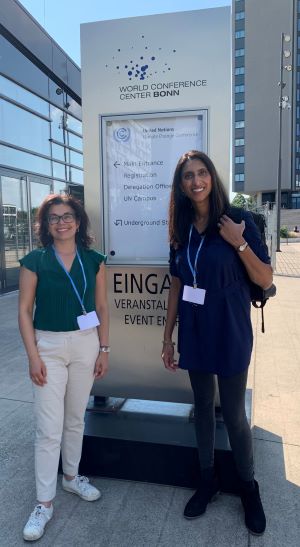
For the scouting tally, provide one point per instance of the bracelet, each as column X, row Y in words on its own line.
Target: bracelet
column 168, row 343
column 105, row 349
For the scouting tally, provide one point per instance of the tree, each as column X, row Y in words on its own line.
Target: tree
column 244, row 202
column 239, row 200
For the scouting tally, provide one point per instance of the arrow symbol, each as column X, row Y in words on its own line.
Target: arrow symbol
column 118, row 222
column 116, row 164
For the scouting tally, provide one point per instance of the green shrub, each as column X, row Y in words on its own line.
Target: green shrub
column 284, row 231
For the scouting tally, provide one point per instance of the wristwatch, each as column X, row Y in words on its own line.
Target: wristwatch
column 242, row 247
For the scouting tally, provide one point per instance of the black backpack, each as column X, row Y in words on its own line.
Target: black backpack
column 259, row 296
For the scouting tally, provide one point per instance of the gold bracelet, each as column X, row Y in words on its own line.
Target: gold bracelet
column 168, row 343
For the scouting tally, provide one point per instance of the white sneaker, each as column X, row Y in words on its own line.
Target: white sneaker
column 81, row 486
column 35, row 526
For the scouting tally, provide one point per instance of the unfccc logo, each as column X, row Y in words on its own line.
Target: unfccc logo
column 122, row 134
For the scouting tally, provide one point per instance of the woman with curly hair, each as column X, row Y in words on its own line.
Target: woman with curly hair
column 212, row 258
column 66, row 343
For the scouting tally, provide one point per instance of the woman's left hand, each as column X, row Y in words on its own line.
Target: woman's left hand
column 231, row 231
column 101, row 365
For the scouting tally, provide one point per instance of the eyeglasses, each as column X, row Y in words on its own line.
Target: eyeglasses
column 66, row 217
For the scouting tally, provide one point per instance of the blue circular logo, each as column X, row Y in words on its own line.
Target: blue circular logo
column 122, row 134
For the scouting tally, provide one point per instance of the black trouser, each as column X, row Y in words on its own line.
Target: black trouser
column 232, row 397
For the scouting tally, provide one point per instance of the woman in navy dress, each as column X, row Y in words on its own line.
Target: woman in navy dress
column 211, row 259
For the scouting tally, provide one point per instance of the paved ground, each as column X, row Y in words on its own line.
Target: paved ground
column 288, row 259
column 132, row 514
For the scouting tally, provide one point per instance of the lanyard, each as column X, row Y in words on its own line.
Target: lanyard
column 72, row 282
column 193, row 269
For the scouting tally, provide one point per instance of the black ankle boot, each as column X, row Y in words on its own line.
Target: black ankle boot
column 255, row 519
column 207, row 492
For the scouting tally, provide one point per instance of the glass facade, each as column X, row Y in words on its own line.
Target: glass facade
column 40, row 153
column 239, row 96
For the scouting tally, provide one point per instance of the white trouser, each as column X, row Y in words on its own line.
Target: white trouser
column 60, row 404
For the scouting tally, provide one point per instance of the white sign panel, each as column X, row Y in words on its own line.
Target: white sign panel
column 140, row 155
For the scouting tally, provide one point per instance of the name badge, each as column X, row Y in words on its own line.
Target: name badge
column 88, row 321
column 196, row 296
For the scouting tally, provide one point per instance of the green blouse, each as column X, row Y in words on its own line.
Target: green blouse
column 57, row 305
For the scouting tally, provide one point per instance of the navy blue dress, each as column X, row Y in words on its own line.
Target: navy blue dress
column 216, row 337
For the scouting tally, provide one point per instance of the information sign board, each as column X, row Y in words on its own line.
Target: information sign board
column 140, row 153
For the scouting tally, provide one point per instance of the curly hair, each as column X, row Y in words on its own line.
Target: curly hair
column 82, row 237
column 181, row 212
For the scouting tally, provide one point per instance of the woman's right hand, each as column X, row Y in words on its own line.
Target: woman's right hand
column 38, row 371
column 168, row 357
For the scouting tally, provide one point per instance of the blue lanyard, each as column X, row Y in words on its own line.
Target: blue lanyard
column 193, row 269
column 72, row 282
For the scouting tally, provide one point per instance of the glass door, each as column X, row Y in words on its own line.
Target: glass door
column 14, row 229
column 20, row 198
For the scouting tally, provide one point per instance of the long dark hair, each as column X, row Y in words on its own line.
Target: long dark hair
column 83, row 237
column 181, row 211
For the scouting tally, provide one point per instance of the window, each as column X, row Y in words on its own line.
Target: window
column 21, row 95
column 239, row 106
column 239, row 142
column 59, row 170
column 58, row 152
column 239, row 88
column 21, row 128
column 240, row 177
column 74, row 141
column 240, row 124
column 240, row 15
column 76, row 175
column 239, row 159
column 23, row 160
column 73, row 124
column 57, row 124
column 239, row 52
column 240, row 34
column 239, row 70
column 75, row 158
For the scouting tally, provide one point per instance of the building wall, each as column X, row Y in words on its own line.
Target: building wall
column 40, row 131
column 263, row 24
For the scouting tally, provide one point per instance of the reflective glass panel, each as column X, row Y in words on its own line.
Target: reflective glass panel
column 74, row 141
column 57, row 123
column 38, row 192
column 73, row 124
column 76, row 175
column 21, row 95
column 15, row 227
column 24, row 129
column 60, row 187
column 76, row 159
column 23, row 160
column 14, row 62
column 58, row 152
column 59, row 170
column 74, row 107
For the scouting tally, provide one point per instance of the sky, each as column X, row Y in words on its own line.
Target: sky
column 62, row 18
